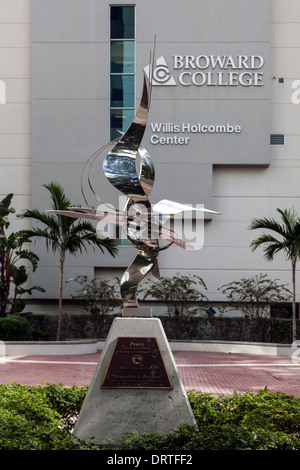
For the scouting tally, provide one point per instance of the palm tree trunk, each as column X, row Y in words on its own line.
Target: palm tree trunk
column 294, row 297
column 6, row 282
column 3, row 282
column 61, row 281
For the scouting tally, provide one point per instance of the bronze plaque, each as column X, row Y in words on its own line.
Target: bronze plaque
column 136, row 363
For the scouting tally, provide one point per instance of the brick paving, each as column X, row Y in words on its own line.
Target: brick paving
column 209, row 372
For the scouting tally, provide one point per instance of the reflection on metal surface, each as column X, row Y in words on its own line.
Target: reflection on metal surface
column 121, row 169
column 128, row 167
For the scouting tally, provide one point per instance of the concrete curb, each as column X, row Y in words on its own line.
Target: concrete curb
column 50, row 348
column 77, row 347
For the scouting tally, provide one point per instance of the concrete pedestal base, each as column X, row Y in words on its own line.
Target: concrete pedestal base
column 114, row 412
column 137, row 312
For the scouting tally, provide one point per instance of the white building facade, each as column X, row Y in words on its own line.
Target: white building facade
column 223, row 129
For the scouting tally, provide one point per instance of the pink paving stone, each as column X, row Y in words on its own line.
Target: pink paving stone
column 208, row 372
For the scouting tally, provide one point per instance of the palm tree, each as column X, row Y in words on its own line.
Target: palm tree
column 64, row 234
column 289, row 243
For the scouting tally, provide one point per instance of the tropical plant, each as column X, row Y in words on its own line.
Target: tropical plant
column 177, row 293
column 253, row 298
column 64, row 234
column 13, row 275
column 5, row 210
column 254, row 295
column 98, row 298
column 288, row 242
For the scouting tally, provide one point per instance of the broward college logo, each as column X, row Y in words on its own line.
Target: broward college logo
column 161, row 73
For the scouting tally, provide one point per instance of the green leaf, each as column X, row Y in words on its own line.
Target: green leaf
column 19, row 275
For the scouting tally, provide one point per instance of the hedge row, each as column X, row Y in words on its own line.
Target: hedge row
column 36, row 327
column 73, row 326
column 265, row 330
column 42, row 418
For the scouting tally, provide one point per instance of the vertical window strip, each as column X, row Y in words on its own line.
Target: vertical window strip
column 122, row 68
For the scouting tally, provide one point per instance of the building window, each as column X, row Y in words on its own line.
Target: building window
column 122, row 68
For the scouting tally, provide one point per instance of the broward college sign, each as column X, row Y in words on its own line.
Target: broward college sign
column 210, row 70
column 210, row 99
column 206, row 71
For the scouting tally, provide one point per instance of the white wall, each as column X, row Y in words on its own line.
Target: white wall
column 15, row 115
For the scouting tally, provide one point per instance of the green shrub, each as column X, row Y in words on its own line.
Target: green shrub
column 38, row 418
column 42, row 418
column 273, row 411
column 27, row 422
column 212, row 437
column 262, row 421
column 14, row 328
column 65, row 401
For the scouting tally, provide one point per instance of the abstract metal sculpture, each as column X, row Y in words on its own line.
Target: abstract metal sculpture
column 128, row 167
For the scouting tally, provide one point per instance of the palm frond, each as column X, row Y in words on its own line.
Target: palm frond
column 289, row 218
column 268, row 224
column 59, row 199
column 85, row 235
column 83, row 226
column 272, row 245
column 51, row 237
column 289, row 232
column 47, row 219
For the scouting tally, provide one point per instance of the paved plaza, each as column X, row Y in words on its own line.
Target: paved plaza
column 208, row 372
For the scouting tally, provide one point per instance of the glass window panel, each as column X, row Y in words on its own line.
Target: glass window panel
column 122, row 22
column 120, row 119
column 122, row 57
column 123, row 242
column 122, row 91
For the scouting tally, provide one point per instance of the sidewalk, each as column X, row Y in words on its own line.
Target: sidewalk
column 208, row 372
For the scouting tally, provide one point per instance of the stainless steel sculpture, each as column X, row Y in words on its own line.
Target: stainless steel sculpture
column 128, row 167
column 121, row 169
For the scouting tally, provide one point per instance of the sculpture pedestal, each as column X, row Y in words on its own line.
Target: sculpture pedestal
column 136, row 385
column 137, row 312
